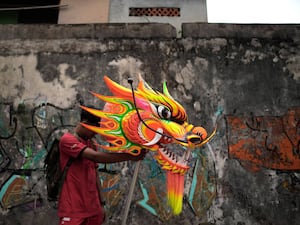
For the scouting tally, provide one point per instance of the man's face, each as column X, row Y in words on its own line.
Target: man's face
column 89, row 133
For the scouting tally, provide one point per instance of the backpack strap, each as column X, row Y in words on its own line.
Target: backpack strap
column 63, row 177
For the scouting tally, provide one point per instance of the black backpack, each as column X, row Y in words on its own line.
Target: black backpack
column 55, row 176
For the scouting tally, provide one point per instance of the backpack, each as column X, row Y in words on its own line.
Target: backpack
column 55, row 176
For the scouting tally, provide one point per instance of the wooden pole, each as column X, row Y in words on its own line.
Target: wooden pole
column 129, row 197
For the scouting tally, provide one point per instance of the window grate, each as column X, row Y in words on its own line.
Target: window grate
column 156, row 11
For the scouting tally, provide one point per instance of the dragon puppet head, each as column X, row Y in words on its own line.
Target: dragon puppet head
column 144, row 118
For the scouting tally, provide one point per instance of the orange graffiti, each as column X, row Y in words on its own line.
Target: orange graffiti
column 155, row 202
column 110, row 190
column 15, row 192
column 270, row 142
column 205, row 196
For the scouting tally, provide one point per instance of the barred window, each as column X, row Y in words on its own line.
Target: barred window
column 156, row 11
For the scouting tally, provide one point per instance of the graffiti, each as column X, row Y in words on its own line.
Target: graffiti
column 266, row 142
column 203, row 188
column 152, row 201
column 23, row 146
column 14, row 192
column 152, row 184
column 199, row 195
column 111, row 191
column 25, row 135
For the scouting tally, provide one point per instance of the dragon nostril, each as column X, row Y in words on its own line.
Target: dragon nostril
column 195, row 140
column 200, row 131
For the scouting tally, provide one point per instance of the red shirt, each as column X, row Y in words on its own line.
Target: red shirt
column 79, row 196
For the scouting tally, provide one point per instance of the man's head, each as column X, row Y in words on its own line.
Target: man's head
column 89, row 118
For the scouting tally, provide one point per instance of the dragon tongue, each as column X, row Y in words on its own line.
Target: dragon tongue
column 175, row 184
column 175, row 188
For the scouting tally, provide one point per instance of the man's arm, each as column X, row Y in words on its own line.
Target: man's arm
column 106, row 157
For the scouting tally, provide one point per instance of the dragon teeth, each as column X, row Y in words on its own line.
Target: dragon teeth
column 172, row 156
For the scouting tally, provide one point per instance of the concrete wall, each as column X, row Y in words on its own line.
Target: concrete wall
column 245, row 79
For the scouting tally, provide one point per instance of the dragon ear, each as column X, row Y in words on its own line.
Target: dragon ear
column 144, row 86
column 117, row 89
column 141, row 78
column 166, row 91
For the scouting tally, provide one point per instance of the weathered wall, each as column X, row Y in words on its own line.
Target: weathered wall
column 243, row 78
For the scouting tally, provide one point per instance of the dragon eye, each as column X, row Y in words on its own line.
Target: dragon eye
column 163, row 112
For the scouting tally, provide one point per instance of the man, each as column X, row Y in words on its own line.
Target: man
column 80, row 199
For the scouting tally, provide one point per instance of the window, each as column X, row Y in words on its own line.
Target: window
column 155, row 11
column 29, row 11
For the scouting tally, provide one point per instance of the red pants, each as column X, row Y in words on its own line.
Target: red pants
column 94, row 220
